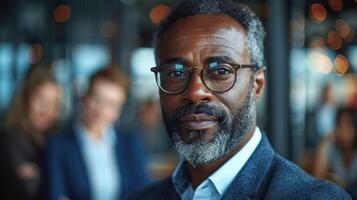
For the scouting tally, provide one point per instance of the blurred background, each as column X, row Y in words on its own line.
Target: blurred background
column 311, row 56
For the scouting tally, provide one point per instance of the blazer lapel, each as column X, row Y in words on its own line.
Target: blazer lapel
column 169, row 192
column 249, row 183
column 81, row 172
column 123, row 168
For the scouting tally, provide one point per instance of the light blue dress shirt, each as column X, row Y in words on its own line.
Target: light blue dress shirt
column 214, row 187
column 101, row 163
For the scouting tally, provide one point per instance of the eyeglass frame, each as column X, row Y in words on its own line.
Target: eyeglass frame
column 156, row 69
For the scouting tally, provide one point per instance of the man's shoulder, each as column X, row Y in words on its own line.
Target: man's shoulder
column 288, row 181
column 63, row 135
column 160, row 190
column 61, row 141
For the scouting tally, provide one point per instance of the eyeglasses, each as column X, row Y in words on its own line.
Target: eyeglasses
column 217, row 76
column 103, row 102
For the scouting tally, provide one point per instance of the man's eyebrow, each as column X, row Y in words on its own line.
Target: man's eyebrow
column 219, row 59
column 174, row 60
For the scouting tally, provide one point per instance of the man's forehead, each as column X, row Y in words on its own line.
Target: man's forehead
column 204, row 33
column 199, row 23
column 227, row 42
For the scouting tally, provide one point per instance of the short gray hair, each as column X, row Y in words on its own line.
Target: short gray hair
column 240, row 12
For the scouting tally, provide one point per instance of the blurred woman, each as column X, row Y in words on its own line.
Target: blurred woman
column 31, row 117
column 337, row 155
column 91, row 158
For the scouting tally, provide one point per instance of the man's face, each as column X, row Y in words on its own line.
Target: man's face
column 205, row 125
column 102, row 105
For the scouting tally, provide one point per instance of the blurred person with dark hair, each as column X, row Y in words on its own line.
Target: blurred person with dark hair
column 210, row 72
column 91, row 158
column 336, row 157
column 31, row 117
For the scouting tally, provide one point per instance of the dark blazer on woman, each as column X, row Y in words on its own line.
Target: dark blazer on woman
column 17, row 149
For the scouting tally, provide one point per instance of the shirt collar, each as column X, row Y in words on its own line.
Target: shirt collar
column 109, row 135
column 225, row 175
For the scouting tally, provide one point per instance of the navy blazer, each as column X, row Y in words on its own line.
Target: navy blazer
column 66, row 173
column 266, row 175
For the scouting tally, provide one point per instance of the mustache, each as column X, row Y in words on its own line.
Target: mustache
column 204, row 108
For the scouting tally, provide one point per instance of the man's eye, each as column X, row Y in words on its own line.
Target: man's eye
column 176, row 74
column 221, row 70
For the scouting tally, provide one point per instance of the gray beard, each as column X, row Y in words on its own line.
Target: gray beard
column 228, row 135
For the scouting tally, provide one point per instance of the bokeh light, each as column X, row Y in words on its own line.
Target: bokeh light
column 341, row 65
column 62, row 13
column 35, row 53
column 318, row 12
column 321, row 62
column 345, row 30
column 333, row 40
column 159, row 13
column 336, row 5
column 350, row 37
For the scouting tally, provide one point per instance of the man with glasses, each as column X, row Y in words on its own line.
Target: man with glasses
column 210, row 74
column 93, row 157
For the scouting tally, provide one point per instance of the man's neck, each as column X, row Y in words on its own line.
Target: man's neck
column 94, row 132
column 200, row 173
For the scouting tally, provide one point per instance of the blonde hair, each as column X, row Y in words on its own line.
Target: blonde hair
column 36, row 76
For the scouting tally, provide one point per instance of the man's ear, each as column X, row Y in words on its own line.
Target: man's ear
column 259, row 82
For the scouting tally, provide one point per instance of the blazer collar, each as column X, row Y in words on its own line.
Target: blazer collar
column 250, row 180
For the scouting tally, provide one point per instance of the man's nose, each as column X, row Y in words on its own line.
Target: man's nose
column 197, row 92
